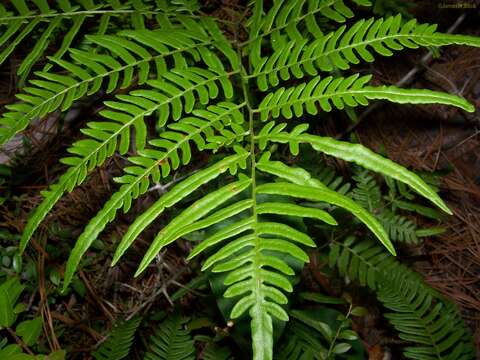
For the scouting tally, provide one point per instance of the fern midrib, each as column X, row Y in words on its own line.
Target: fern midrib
column 297, row 19
column 340, row 49
column 256, row 279
column 27, row 116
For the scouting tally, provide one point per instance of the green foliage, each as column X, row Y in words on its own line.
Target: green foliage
column 181, row 85
column 10, row 291
column 27, row 330
column 320, row 332
column 22, row 20
column 422, row 317
column 367, row 192
column 213, row 351
column 119, row 341
column 171, row 341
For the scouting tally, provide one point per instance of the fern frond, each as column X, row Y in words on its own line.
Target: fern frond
column 360, row 260
column 341, row 92
column 152, row 165
column 254, row 271
column 420, row 314
column 250, row 247
column 355, row 153
column 398, row 227
column 119, row 341
column 171, row 341
column 164, row 97
column 19, row 20
column 114, row 64
column 302, row 342
column 250, row 239
column 366, row 192
column 339, row 49
column 288, row 16
column 434, row 326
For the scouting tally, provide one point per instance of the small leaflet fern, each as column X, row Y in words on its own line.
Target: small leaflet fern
column 420, row 314
column 367, row 193
column 119, row 341
column 308, row 336
column 167, row 87
column 171, row 341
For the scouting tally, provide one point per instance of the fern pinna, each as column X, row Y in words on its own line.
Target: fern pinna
column 204, row 89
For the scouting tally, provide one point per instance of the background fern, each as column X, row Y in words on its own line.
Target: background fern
column 420, row 314
column 171, row 341
column 119, row 341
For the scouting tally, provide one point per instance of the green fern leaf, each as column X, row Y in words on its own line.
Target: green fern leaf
column 341, row 92
column 123, row 55
column 119, row 341
column 21, row 20
column 288, row 16
column 399, row 227
column 301, row 56
column 165, row 98
column 198, row 80
column 152, row 166
column 423, row 318
column 171, row 341
column 367, row 192
column 420, row 315
column 356, row 153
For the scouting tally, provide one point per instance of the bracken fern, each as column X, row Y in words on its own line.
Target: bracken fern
column 203, row 91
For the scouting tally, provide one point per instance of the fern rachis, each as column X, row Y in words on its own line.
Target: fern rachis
column 183, row 99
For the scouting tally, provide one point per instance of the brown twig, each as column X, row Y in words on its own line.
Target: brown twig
column 45, row 310
column 19, row 341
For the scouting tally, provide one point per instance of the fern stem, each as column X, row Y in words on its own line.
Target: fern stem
column 261, row 322
column 337, row 334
